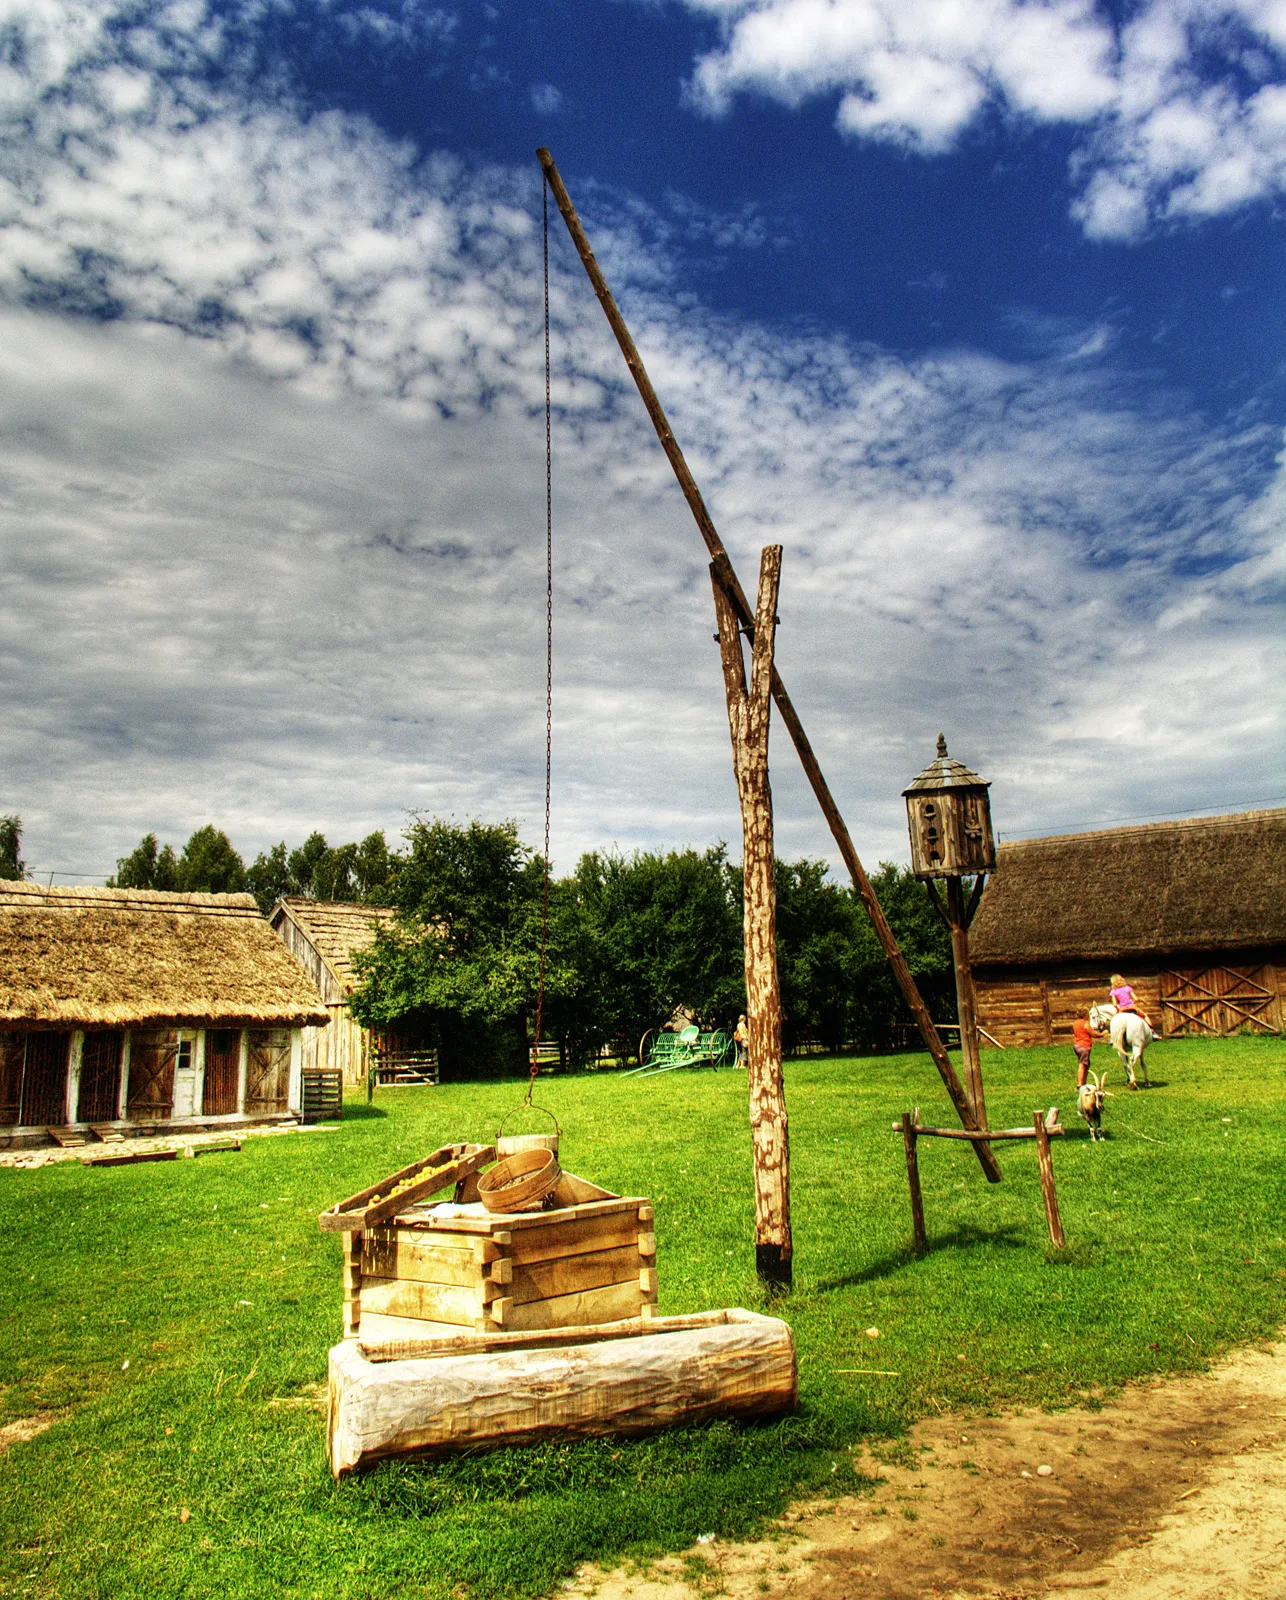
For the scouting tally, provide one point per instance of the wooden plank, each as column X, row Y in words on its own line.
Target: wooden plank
column 424, row 1347
column 128, row 1158
column 430, row 1302
column 910, row 1123
column 402, row 1253
column 382, row 1200
column 1047, row 1184
column 571, row 1239
column 381, row 1330
column 514, row 1222
column 480, row 1398
column 608, row 1304
column 594, row 1269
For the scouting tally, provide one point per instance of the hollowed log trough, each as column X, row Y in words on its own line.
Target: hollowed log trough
column 479, row 1391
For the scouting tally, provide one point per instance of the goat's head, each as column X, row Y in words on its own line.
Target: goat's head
column 1089, row 1101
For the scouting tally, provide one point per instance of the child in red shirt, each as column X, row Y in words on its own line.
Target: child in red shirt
column 1082, row 1042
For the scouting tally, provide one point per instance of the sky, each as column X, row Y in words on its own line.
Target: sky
column 975, row 308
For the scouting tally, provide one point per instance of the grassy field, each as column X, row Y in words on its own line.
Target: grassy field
column 177, row 1317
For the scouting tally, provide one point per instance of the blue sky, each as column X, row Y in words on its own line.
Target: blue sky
column 977, row 309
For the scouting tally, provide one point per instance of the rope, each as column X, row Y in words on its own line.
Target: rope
column 549, row 657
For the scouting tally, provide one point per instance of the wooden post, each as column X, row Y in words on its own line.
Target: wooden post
column 748, row 718
column 966, row 1002
column 741, row 606
column 352, row 1283
column 910, row 1122
column 1047, row 1185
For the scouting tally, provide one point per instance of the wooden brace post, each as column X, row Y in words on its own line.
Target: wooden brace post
column 1047, row 1184
column 910, row 1122
column 741, row 606
column 749, row 712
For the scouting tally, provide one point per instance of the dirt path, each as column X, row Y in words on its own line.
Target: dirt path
column 1178, row 1490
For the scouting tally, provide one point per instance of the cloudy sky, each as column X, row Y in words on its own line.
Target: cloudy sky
column 975, row 306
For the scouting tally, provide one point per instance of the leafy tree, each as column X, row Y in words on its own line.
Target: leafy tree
column 11, row 862
column 463, row 962
column 667, row 934
column 148, row 866
column 268, row 877
column 333, row 877
column 820, row 954
column 304, row 862
column 209, row 864
column 373, row 866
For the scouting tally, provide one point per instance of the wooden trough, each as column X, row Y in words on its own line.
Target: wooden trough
column 476, row 1391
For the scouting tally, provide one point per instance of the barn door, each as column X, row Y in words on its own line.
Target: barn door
column 13, row 1052
column 151, row 1075
column 100, row 1077
column 222, row 1070
column 44, row 1080
column 267, row 1070
column 1220, row 1001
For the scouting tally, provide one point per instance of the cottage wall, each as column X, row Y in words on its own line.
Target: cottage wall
column 1208, row 994
column 343, row 1044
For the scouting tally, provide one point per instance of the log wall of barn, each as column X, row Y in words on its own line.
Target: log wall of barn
column 342, row 1043
column 1199, row 993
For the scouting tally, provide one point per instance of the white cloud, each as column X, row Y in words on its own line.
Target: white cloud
column 273, row 529
column 1184, row 112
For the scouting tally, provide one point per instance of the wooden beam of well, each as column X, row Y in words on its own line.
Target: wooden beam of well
column 728, row 578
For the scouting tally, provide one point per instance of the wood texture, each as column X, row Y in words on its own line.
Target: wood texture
column 608, row 1304
column 909, row 1122
column 385, row 1199
column 966, row 1004
column 1047, row 1184
column 749, row 711
column 593, row 1269
column 742, row 1366
column 790, row 717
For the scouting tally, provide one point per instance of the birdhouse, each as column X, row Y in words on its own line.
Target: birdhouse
column 949, row 818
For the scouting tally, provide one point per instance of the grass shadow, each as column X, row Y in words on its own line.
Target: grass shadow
column 966, row 1237
column 364, row 1113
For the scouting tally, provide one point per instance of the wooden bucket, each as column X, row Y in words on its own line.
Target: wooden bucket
column 513, row 1144
column 520, row 1182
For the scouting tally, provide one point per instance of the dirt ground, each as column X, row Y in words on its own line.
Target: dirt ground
column 1178, row 1490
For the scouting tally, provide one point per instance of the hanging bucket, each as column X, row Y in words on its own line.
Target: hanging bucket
column 512, row 1144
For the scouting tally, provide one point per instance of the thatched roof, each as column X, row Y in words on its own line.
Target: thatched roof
column 139, row 958
column 336, row 929
column 1212, row 883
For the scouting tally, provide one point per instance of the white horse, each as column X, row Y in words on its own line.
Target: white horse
column 1130, row 1037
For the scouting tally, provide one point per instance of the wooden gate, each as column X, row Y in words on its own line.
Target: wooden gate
column 151, row 1075
column 100, row 1077
column 13, row 1052
column 1220, row 1000
column 267, row 1070
column 222, row 1071
column 44, row 1080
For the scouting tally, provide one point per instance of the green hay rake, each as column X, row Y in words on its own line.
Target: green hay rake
column 667, row 1051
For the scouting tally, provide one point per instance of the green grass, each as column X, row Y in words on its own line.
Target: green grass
column 212, row 1281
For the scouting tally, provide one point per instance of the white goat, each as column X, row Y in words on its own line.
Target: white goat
column 1089, row 1103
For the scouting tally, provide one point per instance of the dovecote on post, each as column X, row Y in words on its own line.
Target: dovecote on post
column 949, row 817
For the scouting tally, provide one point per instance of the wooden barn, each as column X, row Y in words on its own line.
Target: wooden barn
column 1193, row 914
column 132, row 1008
column 324, row 936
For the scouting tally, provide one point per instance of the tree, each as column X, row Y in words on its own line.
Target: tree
column 268, row 878
column 666, row 932
column 209, row 864
column 147, row 866
column 11, row 862
column 462, row 962
column 304, row 861
column 373, row 866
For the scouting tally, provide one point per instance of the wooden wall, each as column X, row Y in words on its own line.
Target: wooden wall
column 343, row 1044
column 1201, row 993
column 306, row 954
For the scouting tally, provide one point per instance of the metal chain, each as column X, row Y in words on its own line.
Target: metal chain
column 549, row 656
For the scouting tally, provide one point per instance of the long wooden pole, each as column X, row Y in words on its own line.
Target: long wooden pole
column 732, row 587
column 966, row 1000
column 749, row 710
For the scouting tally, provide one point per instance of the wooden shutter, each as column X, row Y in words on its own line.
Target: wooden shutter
column 267, row 1070
column 222, row 1070
column 13, row 1052
column 151, row 1075
column 100, row 1077
column 1220, row 1001
column 44, row 1080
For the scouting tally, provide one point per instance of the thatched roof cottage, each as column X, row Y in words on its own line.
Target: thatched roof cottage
column 132, row 1006
column 324, row 936
column 1192, row 913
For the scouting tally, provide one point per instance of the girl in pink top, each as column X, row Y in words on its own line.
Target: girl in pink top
column 1122, row 994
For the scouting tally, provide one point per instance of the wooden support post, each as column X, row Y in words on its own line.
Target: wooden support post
column 749, row 711
column 966, row 1001
column 741, row 606
column 352, row 1283
column 910, row 1122
column 1047, row 1184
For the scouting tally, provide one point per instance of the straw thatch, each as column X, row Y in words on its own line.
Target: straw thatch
column 1209, row 884
column 142, row 958
column 336, row 930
